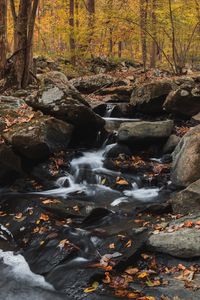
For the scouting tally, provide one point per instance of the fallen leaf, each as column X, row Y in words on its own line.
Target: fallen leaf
column 92, row 288
column 132, row 271
column 44, row 217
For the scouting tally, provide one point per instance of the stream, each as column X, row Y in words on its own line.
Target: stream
column 96, row 213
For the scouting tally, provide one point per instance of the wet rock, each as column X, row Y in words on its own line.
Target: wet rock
column 60, row 99
column 90, row 84
column 188, row 200
column 196, row 118
column 40, row 137
column 171, row 143
column 186, row 159
column 10, row 164
column 116, row 150
column 184, row 101
column 142, row 131
column 181, row 242
column 149, row 98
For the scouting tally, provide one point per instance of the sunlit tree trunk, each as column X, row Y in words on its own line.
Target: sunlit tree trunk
column 154, row 34
column 143, row 25
column 72, row 32
column 3, row 29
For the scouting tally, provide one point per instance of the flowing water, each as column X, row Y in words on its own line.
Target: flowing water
column 85, row 180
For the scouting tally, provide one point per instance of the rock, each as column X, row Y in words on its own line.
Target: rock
column 117, row 93
column 10, row 164
column 90, row 84
column 196, row 118
column 39, row 137
column 179, row 242
column 184, row 101
column 186, row 159
column 116, row 150
column 171, row 143
column 61, row 100
column 188, row 200
column 142, row 131
column 149, row 98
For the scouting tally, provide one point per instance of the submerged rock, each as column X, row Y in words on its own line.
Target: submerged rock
column 149, row 98
column 142, row 131
column 186, row 159
column 188, row 200
column 40, row 137
column 184, row 101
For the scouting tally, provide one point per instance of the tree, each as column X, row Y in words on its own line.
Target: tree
column 143, row 25
column 154, row 33
column 72, row 31
column 91, row 19
column 24, row 23
column 3, row 22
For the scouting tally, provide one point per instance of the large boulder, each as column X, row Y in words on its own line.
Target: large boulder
column 10, row 164
column 188, row 200
column 185, row 100
column 149, row 98
column 144, row 131
column 177, row 239
column 90, row 84
column 39, row 137
column 60, row 99
column 186, row 159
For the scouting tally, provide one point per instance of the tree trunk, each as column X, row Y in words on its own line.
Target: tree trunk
column 154, row 33
column 91, row 20
column 173, row 38
column 72, row 32
column 143, row 26
column 23, row 35
column 3, row 29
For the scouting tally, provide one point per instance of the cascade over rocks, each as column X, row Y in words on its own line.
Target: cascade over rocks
column 60, row 99
column 149, row 98
column 40, row 137
column 188, row 200
column 185, row 100
column 186, row 159
column 144, row 131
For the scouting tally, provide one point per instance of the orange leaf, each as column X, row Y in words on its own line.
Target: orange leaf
column 44, row 217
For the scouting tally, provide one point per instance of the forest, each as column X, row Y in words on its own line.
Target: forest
column 100, row 149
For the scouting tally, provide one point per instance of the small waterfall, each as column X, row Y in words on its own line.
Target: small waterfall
column 109, row 110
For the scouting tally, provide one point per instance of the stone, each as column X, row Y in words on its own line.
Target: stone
column 61, row 100
column 90, row 84
column 149, row 98
column 177, row 240
column 184, row 101
column 144, row 131
column 40, row 137
column 171, row 143
column 10, row 164
column 186, row 159
column 187, row 200
column 196, row 118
